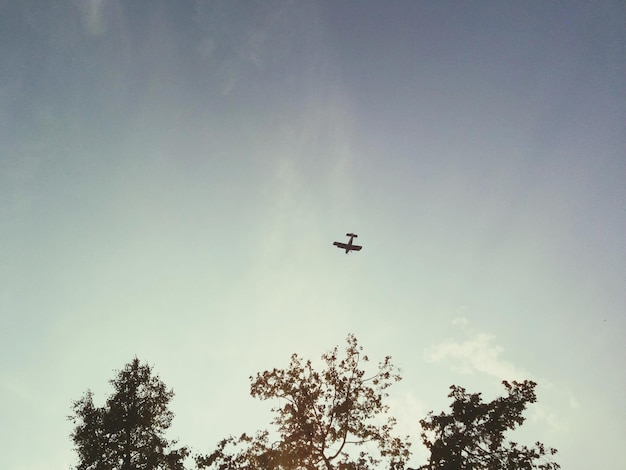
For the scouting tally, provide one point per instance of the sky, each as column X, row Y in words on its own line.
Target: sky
column 173, row 175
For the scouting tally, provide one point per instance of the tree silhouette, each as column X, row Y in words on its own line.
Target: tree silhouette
column 472, row 435
column 325, row 420
column 127, row 433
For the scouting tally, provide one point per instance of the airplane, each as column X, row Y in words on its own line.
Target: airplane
column 348, row 246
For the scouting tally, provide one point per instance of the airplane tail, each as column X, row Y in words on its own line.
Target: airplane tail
column 351, row 235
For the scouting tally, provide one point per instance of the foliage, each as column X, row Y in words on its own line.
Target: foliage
column 472, row 435
column 128, row 432
column 325, row 420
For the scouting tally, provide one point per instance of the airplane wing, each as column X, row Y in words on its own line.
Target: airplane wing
column 348, row 246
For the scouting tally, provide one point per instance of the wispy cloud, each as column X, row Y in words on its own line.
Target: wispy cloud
column 408, row 410
column 476, row 352
column 547, row 418
column 93, row 16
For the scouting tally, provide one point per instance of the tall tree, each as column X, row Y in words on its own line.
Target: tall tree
column 127, row 433
column 333, row 419
column 472, row 435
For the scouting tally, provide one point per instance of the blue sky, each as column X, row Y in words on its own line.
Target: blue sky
column 173, row 175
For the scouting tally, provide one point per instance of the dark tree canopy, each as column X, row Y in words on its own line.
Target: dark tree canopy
column 472, row 435
column 326, row 420
column 128, row 431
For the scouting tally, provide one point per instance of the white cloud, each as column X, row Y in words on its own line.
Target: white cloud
column 572, row 401
column 462, row 321
column 545, row 417
column 408, row 410
column 478, row 352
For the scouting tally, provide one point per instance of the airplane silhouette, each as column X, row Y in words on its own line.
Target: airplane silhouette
column 348, row 246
